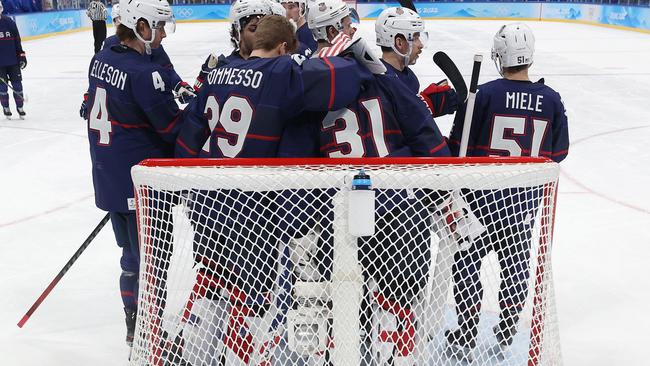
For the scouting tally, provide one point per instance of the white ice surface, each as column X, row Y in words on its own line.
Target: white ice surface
column 602, row 233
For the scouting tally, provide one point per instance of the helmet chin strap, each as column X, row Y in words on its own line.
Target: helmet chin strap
column 147, row 43
column 407, row 55
column 497, row 63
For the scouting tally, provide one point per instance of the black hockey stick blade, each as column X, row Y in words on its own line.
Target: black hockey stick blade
column 408, row 4
column 63, row 271
column 451, row 71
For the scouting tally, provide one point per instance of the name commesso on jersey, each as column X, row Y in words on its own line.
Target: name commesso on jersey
column 109, row 74
column 233, row 76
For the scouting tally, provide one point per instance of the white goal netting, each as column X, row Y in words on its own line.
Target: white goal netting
column 280, row 262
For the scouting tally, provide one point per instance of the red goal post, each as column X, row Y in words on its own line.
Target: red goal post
column 252, row 261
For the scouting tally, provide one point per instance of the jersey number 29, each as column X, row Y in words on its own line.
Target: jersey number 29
column 235, row 119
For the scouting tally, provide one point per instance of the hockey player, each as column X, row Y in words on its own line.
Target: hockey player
column 387, row 119
column 241, row 111
column 513, row 116
column 244, row 16
column 184, row 92
column 401, row 36
column 132, row 116
column 115, row 15
column 97, row 13
column 328, row 19
column 296, row 12
column 12, row 60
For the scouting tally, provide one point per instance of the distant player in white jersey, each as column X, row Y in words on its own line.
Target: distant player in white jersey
column 401, row 36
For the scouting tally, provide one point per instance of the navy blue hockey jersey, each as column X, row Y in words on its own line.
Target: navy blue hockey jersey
column 10, row 46
column 158, row 56
column 407, row 76
column 307, row 44
column 512, row 118
column 132, row 116
column 515, row 118
column 205, row 68
column 387, row 119
column 244, row 106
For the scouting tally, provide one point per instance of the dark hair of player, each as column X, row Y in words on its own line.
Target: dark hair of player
column 127, row 34
column 243, row 22
column 124, row 33
column 515, row 69
column 389, row 49
column 274, row 30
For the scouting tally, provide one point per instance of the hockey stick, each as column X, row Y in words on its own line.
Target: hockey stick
column 408, row 4
column 469, row 110
column 20, row 94
column 451, row 71
column 63, row 271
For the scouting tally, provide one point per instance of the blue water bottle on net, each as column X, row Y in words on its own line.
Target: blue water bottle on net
column 361, row 206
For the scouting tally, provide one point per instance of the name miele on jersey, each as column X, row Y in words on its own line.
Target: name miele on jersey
column 233, row 76
column 109, row 74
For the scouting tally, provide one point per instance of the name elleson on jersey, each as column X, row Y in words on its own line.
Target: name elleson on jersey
column 109, row 74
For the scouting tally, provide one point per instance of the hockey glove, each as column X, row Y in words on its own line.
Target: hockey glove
column 205, row 70
column 22, row 60
column 462, row 225
column 184, row 92
column 83, row 110
column 440, row 98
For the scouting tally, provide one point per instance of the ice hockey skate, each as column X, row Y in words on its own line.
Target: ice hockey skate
column 459, row 347
column 130, row 325
column 7, row 112
column 21, row 112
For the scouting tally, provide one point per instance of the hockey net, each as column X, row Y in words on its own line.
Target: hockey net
column 258, row 262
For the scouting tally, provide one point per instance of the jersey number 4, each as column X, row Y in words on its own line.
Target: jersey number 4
column 516, row 126
column 234, row 119
column 99, row 118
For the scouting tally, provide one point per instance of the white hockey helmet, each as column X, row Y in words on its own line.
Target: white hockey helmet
column 242, row 9
column 2, row 8
column 156, row 12
column 277, row 8
column 115, row 12
column 514, row 45
column 403, row 21
column 323, row 13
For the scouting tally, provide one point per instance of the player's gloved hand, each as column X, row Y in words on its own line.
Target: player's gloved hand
column 22, row 60
column 440, row 98
column 83, row 110
column 184, row 92
column 462, row 225
column 205, row 70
